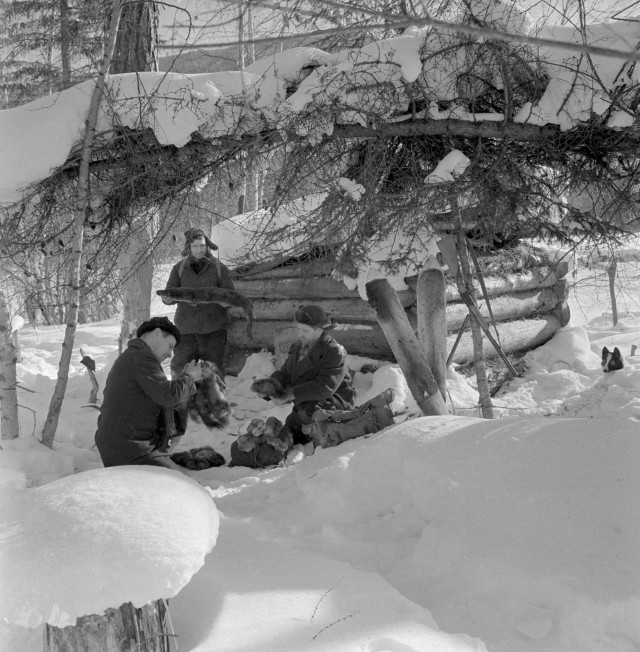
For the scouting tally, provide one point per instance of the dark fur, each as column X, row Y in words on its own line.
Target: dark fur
column 611, row 360
column 208, row 404
column 221, row 296
column 198, row 459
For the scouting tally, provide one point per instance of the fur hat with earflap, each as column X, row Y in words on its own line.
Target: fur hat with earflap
column 195, row 234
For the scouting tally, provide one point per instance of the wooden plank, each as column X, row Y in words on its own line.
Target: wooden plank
column 263, row 271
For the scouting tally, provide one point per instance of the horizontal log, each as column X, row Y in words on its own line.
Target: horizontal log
column 306, row 290
column 504, row 307
column 540, row 277
column 369, row 340
column 357, row 339
column 344, row 310
column 305, row 269
column 514, row 336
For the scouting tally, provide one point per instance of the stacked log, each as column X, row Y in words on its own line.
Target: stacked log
column 528, row 305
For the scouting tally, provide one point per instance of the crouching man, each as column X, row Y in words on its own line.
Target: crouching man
column 314, row 375
column 136, row 422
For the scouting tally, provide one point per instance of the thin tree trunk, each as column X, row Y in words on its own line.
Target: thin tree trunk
column 476, row 333
column 404, row 344
column 136, row 295
column 432, row 323
column 80, row 210
column 611, row 271
column 466, row 279
column 65, row 44
column 9, row 424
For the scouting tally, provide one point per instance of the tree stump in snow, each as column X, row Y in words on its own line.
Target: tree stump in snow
column 125, row 629
column 404, row 344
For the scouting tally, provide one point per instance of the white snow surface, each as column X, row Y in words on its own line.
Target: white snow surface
column 439, row 534
column 92, row 540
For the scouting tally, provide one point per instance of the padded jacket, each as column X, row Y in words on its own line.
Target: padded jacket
column 136, row 394
column 319, row 375
column 206, row 317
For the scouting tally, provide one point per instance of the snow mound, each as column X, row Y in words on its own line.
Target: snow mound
column 520, row 532
column 95, row 540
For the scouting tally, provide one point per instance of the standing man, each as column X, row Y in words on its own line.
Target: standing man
column 203, row 327
column 136, row 424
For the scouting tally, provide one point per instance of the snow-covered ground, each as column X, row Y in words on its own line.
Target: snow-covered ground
column 440, row 533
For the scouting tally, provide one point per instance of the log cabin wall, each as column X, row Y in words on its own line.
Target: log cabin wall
column 527, row 294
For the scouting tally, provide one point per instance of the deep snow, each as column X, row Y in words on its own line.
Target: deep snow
column 440, row 533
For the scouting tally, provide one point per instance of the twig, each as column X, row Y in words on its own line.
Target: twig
column 335, row 622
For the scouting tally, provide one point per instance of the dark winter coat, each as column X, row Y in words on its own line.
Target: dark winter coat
column 321, row 374
column 132, row 416
column 204, row 318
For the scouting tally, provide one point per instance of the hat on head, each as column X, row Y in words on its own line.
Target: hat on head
column 195, row 234
column 314, row 316
column 163, row 323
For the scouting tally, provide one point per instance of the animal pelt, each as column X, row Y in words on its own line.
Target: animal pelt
column 268, row 388
column 611, row 360
column 222, row 296
column 264, row 444
column 198, row 459
column 207, row 404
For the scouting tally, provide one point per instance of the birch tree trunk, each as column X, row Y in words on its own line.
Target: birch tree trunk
column 404, row 344
column 9, row 424
column 79, row 213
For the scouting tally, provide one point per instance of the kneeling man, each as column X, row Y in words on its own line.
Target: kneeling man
column 314, row 375
column 136, row 422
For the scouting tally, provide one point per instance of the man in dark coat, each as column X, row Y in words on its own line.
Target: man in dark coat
column 203, row 327
column 314, row 375
column 135, row 425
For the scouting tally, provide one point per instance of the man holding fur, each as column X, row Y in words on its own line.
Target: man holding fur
column 203, row 327
column 314, row 375
column 136, row 424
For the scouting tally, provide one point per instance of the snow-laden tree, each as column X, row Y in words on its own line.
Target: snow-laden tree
column 544, row 116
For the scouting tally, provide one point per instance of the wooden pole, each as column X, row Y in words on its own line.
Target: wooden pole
column 432, row 323
column 404, row 344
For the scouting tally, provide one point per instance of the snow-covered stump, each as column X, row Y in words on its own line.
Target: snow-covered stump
column 124, row 629
column 404, row 344
column 432, row 323
column 132, row 536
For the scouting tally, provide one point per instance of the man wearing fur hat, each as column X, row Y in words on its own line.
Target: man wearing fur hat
column 314, row 375
column 136, row 424
column 203, row 327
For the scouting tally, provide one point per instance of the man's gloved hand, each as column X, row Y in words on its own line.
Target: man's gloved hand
column 266, row 387
column 235, row 313
column 284, row 397
column 194, row 370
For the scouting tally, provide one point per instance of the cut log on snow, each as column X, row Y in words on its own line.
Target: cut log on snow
column 432, row 324
column 402, row 340
column 121, row 630
column 514, row 336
